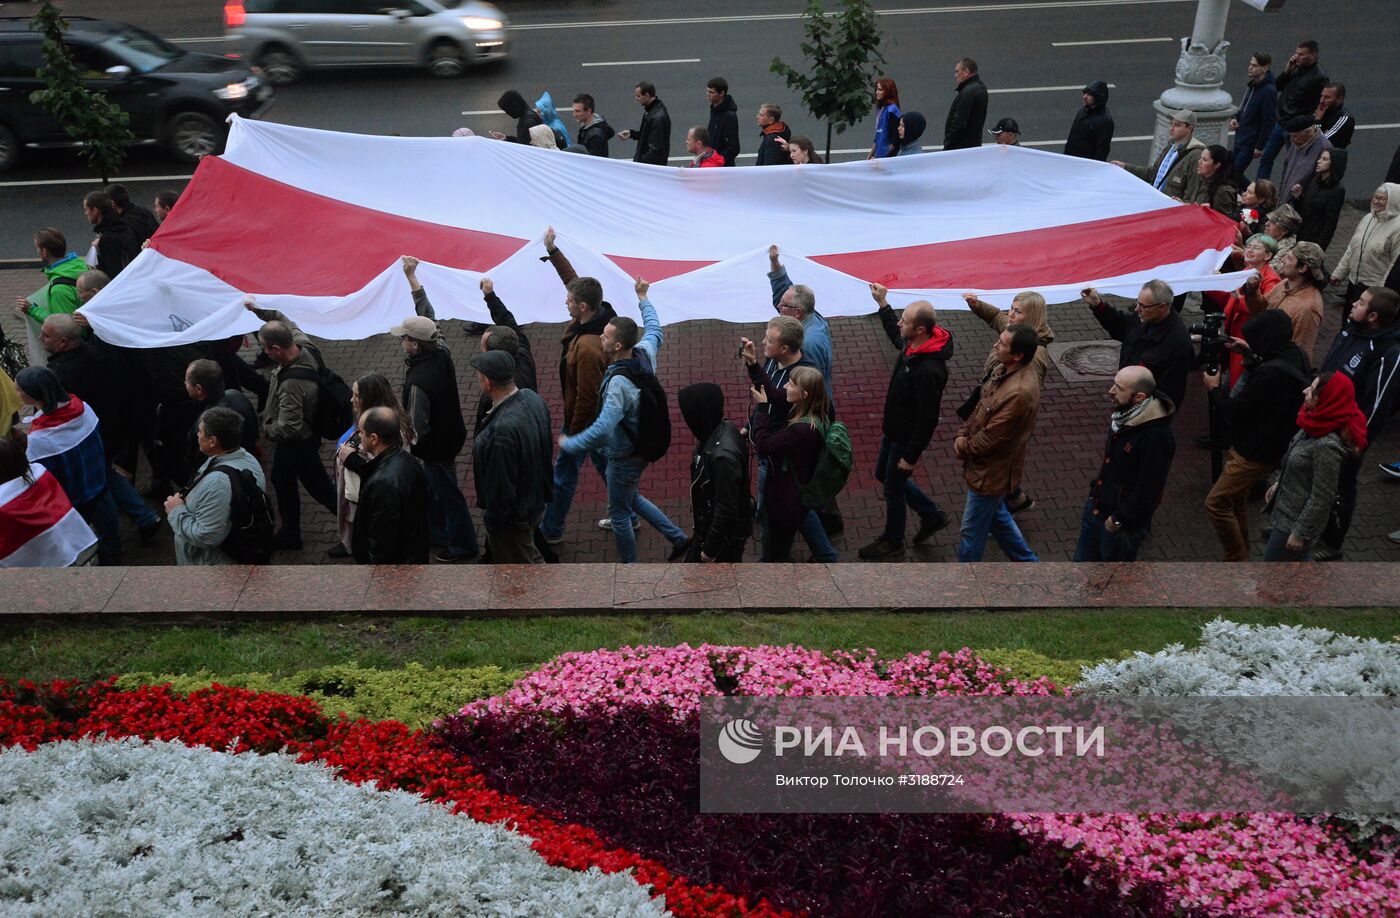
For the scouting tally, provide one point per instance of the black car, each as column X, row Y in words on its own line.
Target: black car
column 175, row 98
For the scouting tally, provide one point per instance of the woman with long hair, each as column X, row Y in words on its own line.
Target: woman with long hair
column 801, row 151
column 792, row 448
column 1319, row 200
column 1212, row 185
column 1331, row 429
column 886, row 119
column 372, row 390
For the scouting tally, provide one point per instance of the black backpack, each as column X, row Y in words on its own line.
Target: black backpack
column 249, row 541
column 652, row 438
column 333, row 415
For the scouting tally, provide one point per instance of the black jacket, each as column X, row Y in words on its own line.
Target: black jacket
column 724, row 129
column 1164, row 348
column 1321, row 205
column 116, row 245
column 654, row 136
column 915, row 393
column 1263, row 414
column 391, row 521
column 1371, row 358
column 1299, row 91
column 433, row 375
column 967, row 117
column 1133, row 473
column 595, row 137
column 514, row 104
column 89, row 373
column 719, row 473
column 143, row 223
column 769, row 153
column 525, row 377
column 1091, row 134
column 513, row 461
column 1338, row 126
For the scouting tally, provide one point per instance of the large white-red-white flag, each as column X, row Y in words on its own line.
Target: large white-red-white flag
column 38, row 525
column 314, row 222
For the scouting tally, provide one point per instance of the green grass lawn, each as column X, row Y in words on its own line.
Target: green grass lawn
column 51, row 650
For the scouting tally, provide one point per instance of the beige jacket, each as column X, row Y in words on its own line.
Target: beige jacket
column 999, row 430
column 1374, row 246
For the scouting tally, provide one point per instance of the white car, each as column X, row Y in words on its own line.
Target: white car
column 288, row 37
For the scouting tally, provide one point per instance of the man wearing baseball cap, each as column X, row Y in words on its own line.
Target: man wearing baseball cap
column 1007, row 132
column 1177, row 163
column 431, row 400
column 512, row 461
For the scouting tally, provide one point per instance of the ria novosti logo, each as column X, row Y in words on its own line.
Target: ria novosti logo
column 740, row 741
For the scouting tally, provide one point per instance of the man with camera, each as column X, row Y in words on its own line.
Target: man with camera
column 1261, row 411
column 1152, row 336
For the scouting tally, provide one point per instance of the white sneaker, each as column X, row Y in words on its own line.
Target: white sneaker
column 606, row 523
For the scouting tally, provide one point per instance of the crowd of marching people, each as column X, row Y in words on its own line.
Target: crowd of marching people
column 217, row 430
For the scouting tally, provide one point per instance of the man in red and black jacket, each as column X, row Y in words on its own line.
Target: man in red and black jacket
column 912, row 403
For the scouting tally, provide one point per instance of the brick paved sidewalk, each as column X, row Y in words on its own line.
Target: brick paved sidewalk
column 1064, row 452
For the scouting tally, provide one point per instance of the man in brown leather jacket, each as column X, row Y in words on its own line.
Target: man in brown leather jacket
column 992, row 445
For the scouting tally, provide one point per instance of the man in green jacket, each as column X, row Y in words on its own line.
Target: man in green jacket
column 1177, row 162
column 60, row 295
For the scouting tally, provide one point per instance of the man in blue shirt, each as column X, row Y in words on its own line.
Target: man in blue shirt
column 612, row 433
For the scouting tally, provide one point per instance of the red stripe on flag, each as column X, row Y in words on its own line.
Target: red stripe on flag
column 33, row 511
column 263, row 236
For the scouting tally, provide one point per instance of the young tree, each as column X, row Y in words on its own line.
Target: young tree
column 99, row 125
column 843, row 58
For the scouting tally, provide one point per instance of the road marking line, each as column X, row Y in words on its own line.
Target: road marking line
column 486, row 111
column 195, row 41
column 913, row 11
column 1076, row 87
column 92, row 181
column 1376, row 127
column 1107, row 41
column 677, row 60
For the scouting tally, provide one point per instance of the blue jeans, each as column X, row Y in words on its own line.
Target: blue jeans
column 566, row 469
column 1098, row 544
column 623, row 477
column 1271, row 150
column 129, row 500
column 294, row 461
column 449, row 520
column 900, row 492
column 813, row 533
column 986, row 514
column 1277, row 549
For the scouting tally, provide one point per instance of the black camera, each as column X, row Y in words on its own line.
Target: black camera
column 1213, row 340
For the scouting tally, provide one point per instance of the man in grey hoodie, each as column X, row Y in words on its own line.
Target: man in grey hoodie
column 201, row 517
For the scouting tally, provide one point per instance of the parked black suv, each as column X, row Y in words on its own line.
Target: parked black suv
column 175, row 98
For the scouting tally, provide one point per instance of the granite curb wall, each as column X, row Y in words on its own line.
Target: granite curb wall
column 249, row 593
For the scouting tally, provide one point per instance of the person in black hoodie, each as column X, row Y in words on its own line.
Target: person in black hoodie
column 1319, row 200
column 724, row 120
column 719, row 478
column 430, row 397
column 1091, row 134
column 116, row 244
column 514, row 104
column 142, row 221
column 1261, row 411
column 594, row 132
column 968, row 114
column 912, row 404
column 1128, row 486
column 911, row 129
column 654, row 136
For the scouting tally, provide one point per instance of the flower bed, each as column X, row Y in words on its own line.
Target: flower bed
column 1239, row 864
column 93, row 827
column 386, row 754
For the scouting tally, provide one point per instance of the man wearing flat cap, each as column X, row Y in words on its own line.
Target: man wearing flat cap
column 512, row 461
column 431, row 400
column 1177, row 163
column 1299, row 296
column 1305, row 145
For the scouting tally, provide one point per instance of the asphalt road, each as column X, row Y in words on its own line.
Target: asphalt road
column 1034, row 56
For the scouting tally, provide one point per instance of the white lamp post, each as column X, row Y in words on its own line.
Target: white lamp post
column 1200, row 79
